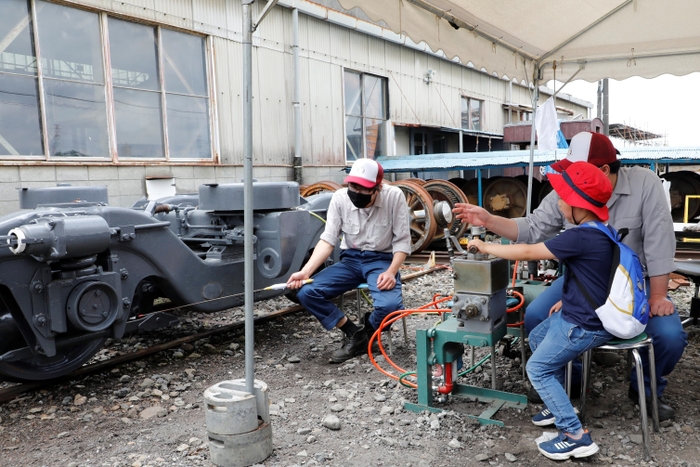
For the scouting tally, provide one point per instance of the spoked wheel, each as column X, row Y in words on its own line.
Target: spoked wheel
column 683, row 183
column 41, row 367
column 319, row 187
column 506, row 197
column 442, row 190
column 420, row 206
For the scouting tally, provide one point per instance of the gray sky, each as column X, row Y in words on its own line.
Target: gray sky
column 667, row 105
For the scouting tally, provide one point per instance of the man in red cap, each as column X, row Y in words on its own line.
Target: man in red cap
column 373, row 221
column 638, row 204
column 583, row 191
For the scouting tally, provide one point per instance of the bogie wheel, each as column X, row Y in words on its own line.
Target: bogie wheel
column 506, row 197
column 683, row 183
column 420, row 207
column 442, row 190
column 41, row 367
column 419, row 181
column 319, row 187
column 472, row 189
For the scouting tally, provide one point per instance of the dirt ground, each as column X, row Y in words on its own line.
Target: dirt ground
column 150, row 413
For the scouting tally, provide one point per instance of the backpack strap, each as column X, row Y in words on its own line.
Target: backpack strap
column 610, row 231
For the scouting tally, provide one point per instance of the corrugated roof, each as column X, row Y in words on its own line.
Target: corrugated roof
column 494, row 159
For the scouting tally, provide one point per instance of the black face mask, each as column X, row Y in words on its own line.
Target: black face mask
column 360, row 200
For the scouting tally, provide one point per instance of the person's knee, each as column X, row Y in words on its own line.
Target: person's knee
column 303, row 295
column 667, row 333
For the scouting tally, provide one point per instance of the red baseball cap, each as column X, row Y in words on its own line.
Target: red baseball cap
column 365, row 172
column 583, row 185
column 595, row 148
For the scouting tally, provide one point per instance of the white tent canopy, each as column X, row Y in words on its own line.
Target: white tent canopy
column 524, row 39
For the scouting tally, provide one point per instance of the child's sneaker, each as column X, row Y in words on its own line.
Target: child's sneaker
column 546, row 418
column 563, row 447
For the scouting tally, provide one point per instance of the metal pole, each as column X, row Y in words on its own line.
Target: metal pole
column 606, row 113
column 248, row 193
column 297, row 97
column 531, row 164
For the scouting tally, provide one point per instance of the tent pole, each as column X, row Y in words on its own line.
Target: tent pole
column 531, row 164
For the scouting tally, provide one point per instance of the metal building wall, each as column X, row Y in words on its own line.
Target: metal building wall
column 326, row 49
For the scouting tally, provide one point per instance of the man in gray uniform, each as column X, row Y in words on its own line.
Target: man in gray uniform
column 638, row 204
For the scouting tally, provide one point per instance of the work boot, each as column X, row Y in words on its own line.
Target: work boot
column 666, row 412
column 352, row 346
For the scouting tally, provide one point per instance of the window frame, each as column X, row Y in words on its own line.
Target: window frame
column 363, row 114
column 469, row 100
column 110, row 118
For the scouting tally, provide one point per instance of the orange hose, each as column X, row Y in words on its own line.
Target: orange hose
column 388, row 321
column 516, row 308
column 515, row 271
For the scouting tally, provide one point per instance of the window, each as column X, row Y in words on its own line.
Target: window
column 471, row 114
column 366, row 115
column 155, row 94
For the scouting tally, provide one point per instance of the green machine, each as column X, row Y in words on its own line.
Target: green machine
column 477, row 319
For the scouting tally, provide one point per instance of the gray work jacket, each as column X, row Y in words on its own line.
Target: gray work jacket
column 638, row 203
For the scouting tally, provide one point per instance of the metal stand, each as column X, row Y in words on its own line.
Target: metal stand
column 444, row 344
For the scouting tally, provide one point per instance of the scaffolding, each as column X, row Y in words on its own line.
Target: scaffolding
column 634, row 136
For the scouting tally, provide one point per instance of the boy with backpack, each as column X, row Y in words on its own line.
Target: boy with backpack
column 573, row 326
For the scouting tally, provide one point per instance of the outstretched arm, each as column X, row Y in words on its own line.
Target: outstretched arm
column 519, row 252
column 479, row 216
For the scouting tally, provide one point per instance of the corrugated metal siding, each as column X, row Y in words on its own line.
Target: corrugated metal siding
column 144, row 9
column 326, row 49
column 175, row 12
column 273, row 108
column 228, row 96
column 324, row 148
column 210, row 17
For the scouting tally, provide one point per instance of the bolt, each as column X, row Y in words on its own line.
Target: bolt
column 126, row 302
column 38, row 287
column 98, row 293
column 40, row 320
column 124, row 273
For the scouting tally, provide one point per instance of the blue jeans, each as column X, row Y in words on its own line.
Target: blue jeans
column 667, row 333
column 354, row 268
column 554, row 343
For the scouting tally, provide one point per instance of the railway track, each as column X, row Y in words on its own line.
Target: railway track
column 9, row 393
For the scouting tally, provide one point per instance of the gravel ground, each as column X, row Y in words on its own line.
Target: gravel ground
column 150, row 413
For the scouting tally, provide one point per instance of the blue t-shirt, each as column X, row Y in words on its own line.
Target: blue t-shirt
column 588, row 253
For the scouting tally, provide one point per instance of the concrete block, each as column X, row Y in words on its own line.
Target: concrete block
column 131, row 172
column 185, row 185
column 226, row 172
column 9, row 192
column 101, row 172
column 9, row 174
column 29, row 173
column 71, row 174
column 205, row 173
column 182, row 171
column 132, row 187
column 158, row 171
